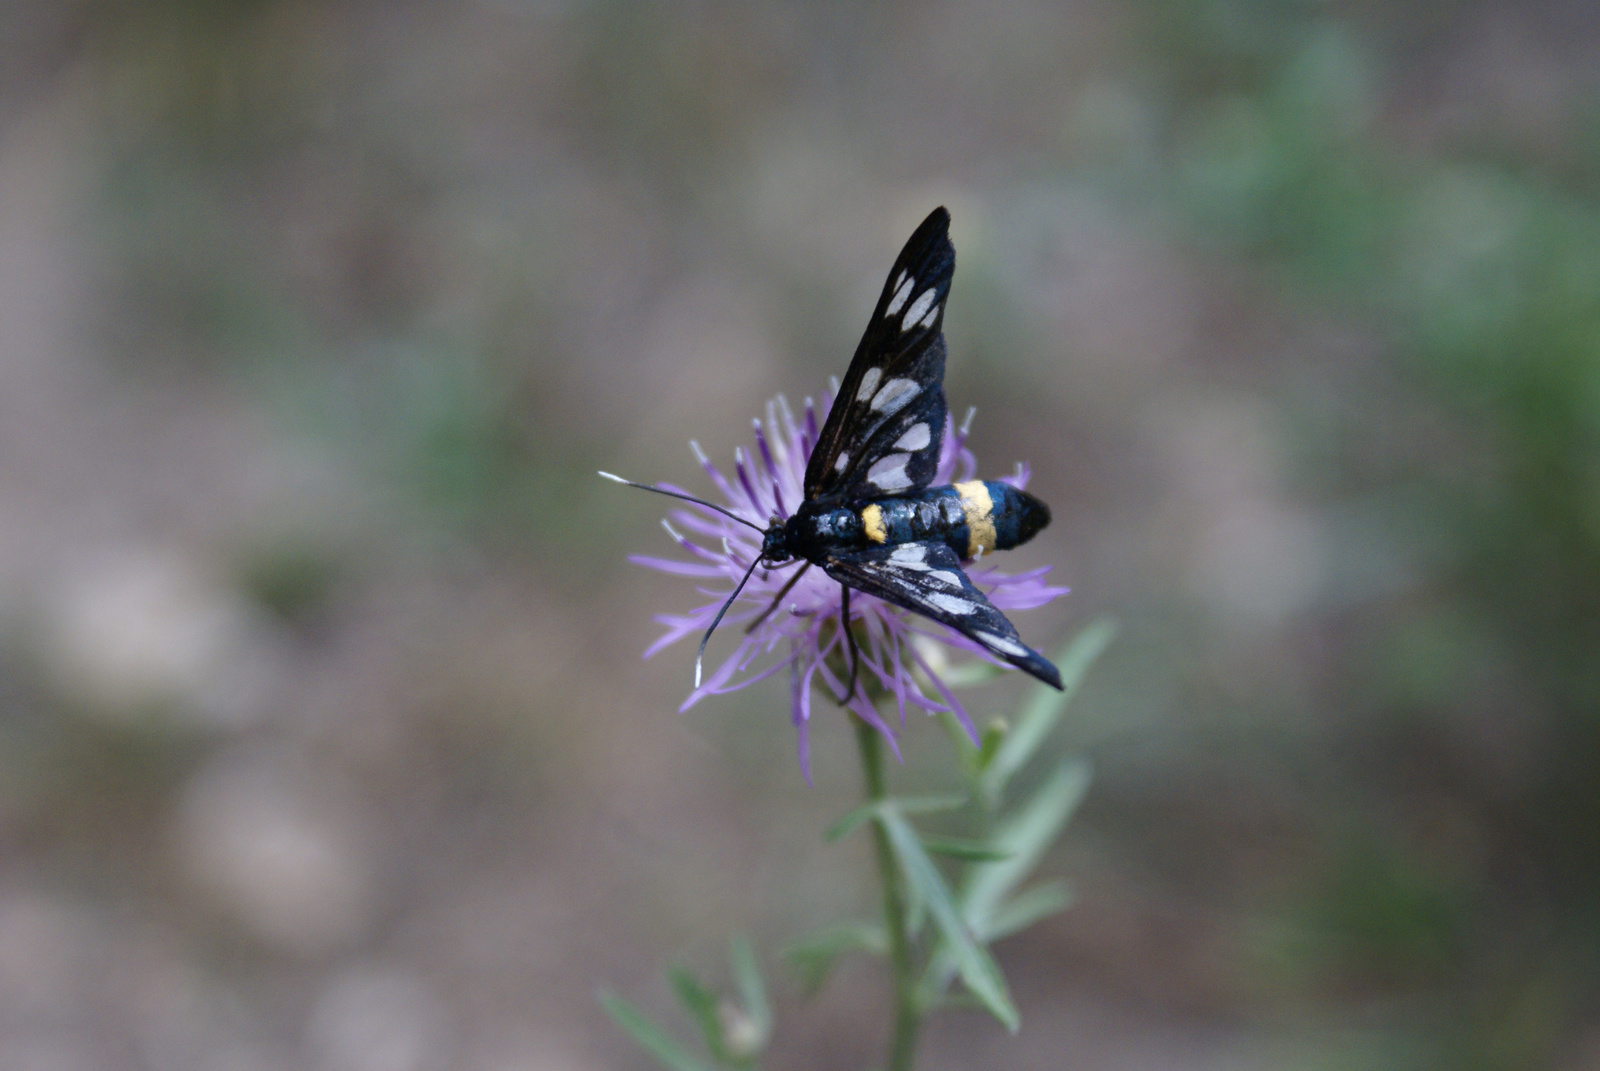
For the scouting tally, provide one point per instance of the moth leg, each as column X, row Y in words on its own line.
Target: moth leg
column 849, row 639
column 776, row 599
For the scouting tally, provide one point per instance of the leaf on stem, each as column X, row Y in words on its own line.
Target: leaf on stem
column 850, row 822
column 1026, row 833
column 702, row 1005
column 951, row 801
column 994, row 734
column 1042, row 713
column 752, row 989
column 648, row 1036
column 972, row 961
column 1029, row 906
column 813, row 958
column 973, row 851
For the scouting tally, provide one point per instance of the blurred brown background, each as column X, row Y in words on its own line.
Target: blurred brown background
column 324, row 738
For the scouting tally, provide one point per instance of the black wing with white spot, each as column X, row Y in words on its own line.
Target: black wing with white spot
column 883, row 433
column 926, row 578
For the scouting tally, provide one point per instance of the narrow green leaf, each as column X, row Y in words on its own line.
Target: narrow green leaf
column 916, row 913
column 966, row 753
column 850, row 822
column 1027, row 832
column 1029, row 906
column 973, row 962
column 994, row 735
column 1044, row 710
column 752, row 988
column 701, row 1004
column 959, row 999
column 950, row 801
column 813, row 957
column 648, row 1036
column 976, row 851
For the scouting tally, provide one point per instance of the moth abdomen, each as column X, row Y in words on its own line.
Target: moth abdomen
column 974, row 518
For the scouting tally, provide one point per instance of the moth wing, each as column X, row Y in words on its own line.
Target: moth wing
column 926, row 578
column 899, row 454
column 895, row 381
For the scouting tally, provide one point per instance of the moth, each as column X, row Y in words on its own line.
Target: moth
column 870, row 518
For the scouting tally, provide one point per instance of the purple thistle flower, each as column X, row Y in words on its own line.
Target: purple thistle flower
column 802, row 633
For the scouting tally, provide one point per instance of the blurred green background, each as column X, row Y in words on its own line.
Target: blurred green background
column 324, row 737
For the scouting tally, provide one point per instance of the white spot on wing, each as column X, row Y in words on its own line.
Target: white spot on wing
column 950, row 604
column 908, row 556
column 915, row 438
column 945, row 576
column 1002, row 644
column 843, row 462
column 918, row 307
column 895, row 396
column 900, row 296
column 926, row 321
column 869, row 383
column 889, row 473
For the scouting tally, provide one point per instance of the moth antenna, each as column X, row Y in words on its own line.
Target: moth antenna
column 699, row 656
column 686, row 498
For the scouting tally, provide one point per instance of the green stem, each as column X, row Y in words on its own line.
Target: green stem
column 908, row 1012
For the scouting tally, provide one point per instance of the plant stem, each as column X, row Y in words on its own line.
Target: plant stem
column 908, row 1012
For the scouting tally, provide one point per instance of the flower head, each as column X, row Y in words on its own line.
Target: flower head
column 802, row 632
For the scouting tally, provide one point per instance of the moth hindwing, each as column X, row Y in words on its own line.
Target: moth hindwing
column 927, row 578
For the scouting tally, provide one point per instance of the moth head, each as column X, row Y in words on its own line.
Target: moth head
column 775, row 543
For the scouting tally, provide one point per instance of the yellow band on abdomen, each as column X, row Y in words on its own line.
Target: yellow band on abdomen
column 872, row 524
column 979, row 509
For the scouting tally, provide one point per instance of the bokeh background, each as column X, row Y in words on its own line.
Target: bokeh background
column 324, row 737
